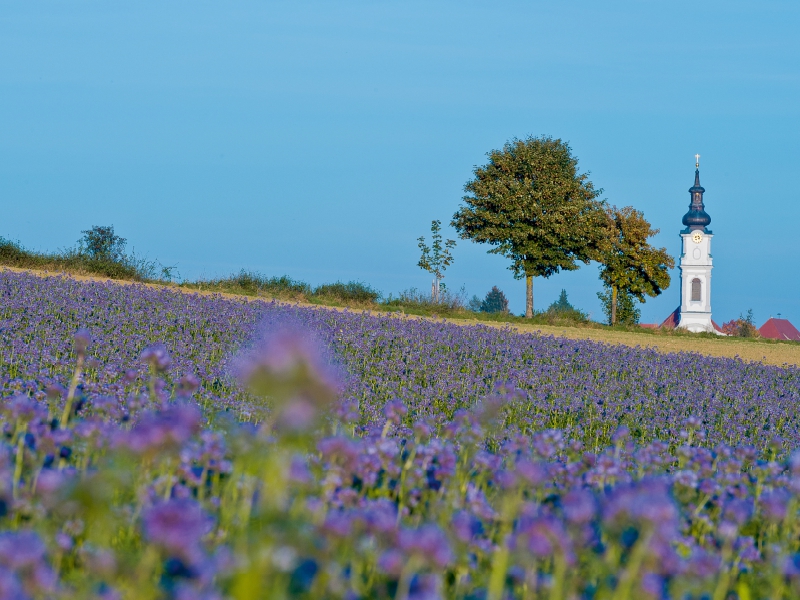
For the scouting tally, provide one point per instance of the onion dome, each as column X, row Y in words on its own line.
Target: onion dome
column 697, row 218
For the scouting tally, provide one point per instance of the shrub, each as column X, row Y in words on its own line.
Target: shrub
column 256, row 284
column 562, row 309
column 495, row 301
column 744, row 326
column 417, row 300
column 95, row 254
column 353, row 291
column 101, row 243
column 475, row 304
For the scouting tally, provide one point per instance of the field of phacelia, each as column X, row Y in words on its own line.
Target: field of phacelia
column 166, row 445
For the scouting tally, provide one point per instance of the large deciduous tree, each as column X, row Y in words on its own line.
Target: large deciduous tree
column 629, row 264
column 531, row 203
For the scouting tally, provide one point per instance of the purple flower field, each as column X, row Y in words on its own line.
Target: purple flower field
column 165, row 445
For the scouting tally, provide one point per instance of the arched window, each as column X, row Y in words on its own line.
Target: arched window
column 696, row 286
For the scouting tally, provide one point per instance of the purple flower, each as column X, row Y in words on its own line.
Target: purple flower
column 81, row 341
column 775, row 504
column 394, row 411
column 428, row 542
column 177, row 526
column 392, row 562
column 170, row 427
column 466, row 526
column 10, row 586
column 579, row 506
column 290, row 368
column 544, row 537
column 157, row 357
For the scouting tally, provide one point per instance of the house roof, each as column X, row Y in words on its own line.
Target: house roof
column 779, row 329
column 671, row 322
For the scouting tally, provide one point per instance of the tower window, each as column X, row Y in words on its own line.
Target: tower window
column 696, row 286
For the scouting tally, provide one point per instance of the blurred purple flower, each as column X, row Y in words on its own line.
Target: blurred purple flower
column 392, row 562
column 579, row 506
column 429, row 542
column 394, row 411
column 169, row 427
column 290, row 367
column 81, row 341
column 177, row 526
column 157, row 357
column 466, row 526
column 775, row 504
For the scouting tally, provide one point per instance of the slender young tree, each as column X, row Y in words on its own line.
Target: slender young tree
column 531, row 203
column 436, row 258
column 629, row 263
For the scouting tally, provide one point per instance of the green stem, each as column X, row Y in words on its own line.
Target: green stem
column 19, row 459
column 73, row 385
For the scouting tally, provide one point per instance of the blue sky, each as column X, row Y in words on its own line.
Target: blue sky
column 319, row 139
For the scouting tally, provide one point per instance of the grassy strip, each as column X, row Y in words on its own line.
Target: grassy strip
column 353, row 294
column 13, row 254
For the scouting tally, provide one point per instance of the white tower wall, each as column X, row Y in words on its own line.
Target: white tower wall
column 696, row 264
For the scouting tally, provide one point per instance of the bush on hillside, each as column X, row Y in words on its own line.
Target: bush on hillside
column 475, row 304
column 744, row 326
column 101, row 243
column 562, row 309
column 495, row 301
column 90, row 257
column 418, row 300
column 252, row 283
column 353, row 291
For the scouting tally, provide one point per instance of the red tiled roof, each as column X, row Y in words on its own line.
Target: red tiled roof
column 779, row 329
column 675, row 318
column 672, row 320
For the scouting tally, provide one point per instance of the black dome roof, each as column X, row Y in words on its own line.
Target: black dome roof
column 697, row 217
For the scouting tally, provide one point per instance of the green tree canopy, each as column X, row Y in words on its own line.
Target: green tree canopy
column 495, row 301
column 629, row 263
column 101, row 243
column 531, row 203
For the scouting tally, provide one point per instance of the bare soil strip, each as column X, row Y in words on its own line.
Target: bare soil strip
column 766, row 352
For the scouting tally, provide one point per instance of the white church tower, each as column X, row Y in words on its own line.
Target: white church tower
column 696, row 263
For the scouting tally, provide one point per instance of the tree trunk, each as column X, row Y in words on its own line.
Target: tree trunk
column 529, row 297
column 613, row 305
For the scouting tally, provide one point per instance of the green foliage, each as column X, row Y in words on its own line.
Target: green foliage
column 417, row 302
column 563, row 309
column 744, row 326
column 251, row 283
column 80, row 261
column 495, row 301
column 562, row 304
column 353, row 291
column 627, row 311
column 475, row 304
column 101, row 243
column 629, row 264
column 532, row 205
column 436, row 258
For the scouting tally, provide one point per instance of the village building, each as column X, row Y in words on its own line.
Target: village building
column 779, row 329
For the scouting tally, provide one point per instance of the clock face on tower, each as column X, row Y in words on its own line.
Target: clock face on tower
column 697, row 237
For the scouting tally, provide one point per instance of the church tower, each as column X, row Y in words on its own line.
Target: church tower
column 696, row 263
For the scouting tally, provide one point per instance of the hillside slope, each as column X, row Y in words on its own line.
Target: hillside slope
column 753, row 350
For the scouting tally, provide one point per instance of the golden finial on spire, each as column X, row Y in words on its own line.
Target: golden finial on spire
column 697, row 161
